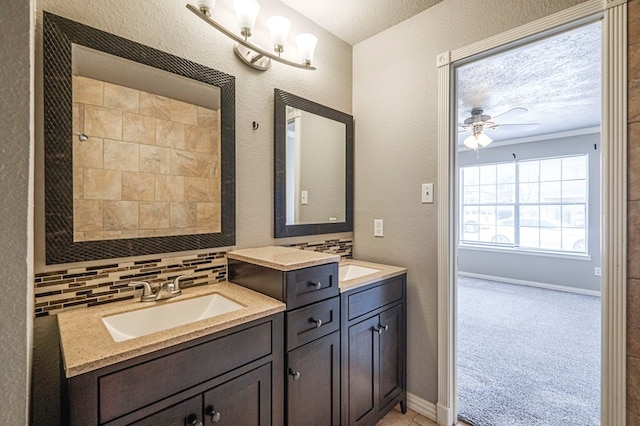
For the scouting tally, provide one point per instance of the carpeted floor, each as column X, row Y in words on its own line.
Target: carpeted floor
column 527, row 356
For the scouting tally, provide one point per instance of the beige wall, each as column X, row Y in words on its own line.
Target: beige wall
column 16, row 79
column 170, row 27
column 395, row 105
column 633, row 223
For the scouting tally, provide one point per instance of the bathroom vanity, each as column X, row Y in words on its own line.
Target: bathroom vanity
column 310, row 340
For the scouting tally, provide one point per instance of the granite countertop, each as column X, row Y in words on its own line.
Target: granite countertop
column 385, row 271
column 283, row 258
column 87, row 345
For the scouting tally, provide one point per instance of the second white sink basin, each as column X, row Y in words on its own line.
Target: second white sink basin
column 350, row 272
column 141, row 322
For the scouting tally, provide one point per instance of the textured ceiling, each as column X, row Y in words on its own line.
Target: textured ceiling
column 357, row 20
column 557, row 79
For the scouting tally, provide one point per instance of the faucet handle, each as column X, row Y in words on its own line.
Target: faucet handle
column 176, row 283
column 147, row 292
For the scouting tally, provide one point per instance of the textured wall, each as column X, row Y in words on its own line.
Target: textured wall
column 633, row 221
column 15, row 211
column 169, row 26
column 395, row 105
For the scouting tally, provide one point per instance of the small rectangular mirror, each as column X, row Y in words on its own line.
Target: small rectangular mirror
column 314, row 168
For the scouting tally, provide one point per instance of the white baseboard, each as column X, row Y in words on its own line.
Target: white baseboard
column 421, row 406
column 531, row 283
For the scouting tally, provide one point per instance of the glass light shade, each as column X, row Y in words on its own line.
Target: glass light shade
column 306, row 46
column 478, row 140
column 207, row 6
column 279, row 27
column 246, row 13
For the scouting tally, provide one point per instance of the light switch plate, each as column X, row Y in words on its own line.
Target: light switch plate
column 427, row 193
column 304, row 198
column 378, row 230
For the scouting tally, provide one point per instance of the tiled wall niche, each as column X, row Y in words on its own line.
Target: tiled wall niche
column 151, row 165
column 85, row 287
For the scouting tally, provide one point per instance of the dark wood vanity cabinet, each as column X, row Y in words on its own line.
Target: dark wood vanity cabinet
column 231, row 377
column 373, row 351
column 312, row 324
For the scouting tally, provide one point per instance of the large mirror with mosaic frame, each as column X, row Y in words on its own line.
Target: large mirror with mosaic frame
column 139, row 148
column 313, row 167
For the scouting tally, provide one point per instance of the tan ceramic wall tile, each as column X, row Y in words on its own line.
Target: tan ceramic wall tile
column 138, row 186
column 183, row 112
column 138, row 128
column 88, row 153
column 102, row 122
column 633, row 14
column 214, row 191
column 197, row 189
column 207, row 118
column 78, row 183
column 194, row 164
column 155, row 159
column 155, row 106
column 633, row 159
column 87, row 215
column 170, row 188
column 78, row 115
column 122, row 98
column 154, row 215
column 633, row 239
column 169, row 133
column 208, row 215
column 633, row 318
column 199, row 139
column 120, row 215
column 120, row 155
column 633, row 384
column 183, row 215
column 88, row 91
column 102, row 184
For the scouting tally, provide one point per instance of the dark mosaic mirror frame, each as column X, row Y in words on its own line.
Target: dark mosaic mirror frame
column 58, row 36
column 283, row 99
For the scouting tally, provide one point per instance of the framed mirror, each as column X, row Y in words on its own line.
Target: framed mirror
column 313, row 167
column 139, row 148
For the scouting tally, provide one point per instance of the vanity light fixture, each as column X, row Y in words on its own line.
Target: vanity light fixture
column 251, row 54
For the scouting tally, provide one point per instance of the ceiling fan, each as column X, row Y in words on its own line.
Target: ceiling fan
column 478, row 122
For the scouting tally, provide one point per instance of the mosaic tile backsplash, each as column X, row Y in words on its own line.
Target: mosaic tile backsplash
column 84, row 287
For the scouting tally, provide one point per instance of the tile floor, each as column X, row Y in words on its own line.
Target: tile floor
column 396, row 418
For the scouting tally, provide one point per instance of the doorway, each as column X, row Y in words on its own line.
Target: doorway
column 528, row 248
column 613, row 206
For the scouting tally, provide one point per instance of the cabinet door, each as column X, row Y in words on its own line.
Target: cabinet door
column 313, row 388
column 391, row 364
column 184, row 413
column 361, row 372
column 245, row 400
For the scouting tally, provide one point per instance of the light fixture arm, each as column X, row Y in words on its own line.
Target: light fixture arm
column 245, row 43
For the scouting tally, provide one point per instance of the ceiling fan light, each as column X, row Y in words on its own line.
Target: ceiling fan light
column 477, row 140
column 471, row 142
column 484, row 140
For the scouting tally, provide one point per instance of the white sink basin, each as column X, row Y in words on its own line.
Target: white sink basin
column 350, row 272
column 145, row 321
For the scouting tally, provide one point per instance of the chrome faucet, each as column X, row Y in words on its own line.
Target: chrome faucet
column 176, row 291
column 164, row 291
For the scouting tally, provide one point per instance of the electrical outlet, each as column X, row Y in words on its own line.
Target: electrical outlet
column 597, row 271
column 427, row 193
column 378, row 230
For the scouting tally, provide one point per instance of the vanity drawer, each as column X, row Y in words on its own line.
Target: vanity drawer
column 309, row 285
column 302, row 324
column 361, row 302
column 119, row 392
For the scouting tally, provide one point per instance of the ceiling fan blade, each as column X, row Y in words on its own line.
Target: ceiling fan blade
column 519, row 126
column 510, row 114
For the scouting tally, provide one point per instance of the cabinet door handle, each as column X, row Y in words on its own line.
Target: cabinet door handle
column 294, row 374
column 215, row 415
column 380, row 328
column 317, row 285
column 192, row 419
column 317, row 321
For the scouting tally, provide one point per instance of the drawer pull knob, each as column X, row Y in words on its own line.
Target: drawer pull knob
column 318, row 322
column 317, row 285
column 215, row 415
column 294, row 374
column 380, row 328
column 192, row 419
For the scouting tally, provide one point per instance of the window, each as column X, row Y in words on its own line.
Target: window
column 537, row 204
